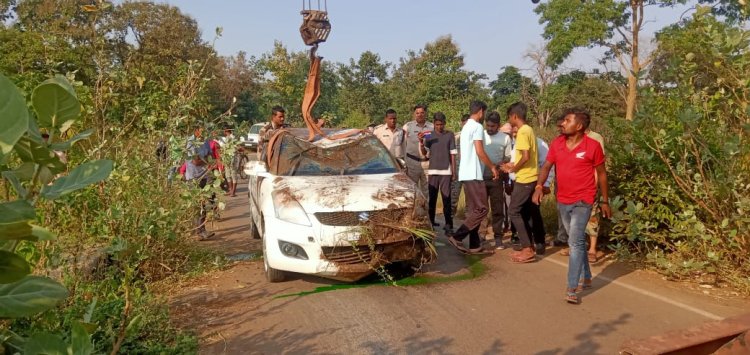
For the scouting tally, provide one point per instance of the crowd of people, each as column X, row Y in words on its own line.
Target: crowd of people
column 505, row 170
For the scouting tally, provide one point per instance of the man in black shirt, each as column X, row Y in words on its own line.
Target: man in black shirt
column 441, row 145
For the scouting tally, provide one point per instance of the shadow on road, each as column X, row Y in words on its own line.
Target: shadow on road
column 587, row 340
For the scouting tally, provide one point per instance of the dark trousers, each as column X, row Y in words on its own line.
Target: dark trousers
column 496, row 195
column 440, row 183
column 476, row 211
column 520, row 211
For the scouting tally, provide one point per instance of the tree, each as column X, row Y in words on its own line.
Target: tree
column 361, row 91
column 435, row 75
column 547, row 99
column 509, row 87
column 237, row 87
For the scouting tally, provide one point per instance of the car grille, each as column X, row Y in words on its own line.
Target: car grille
column 348, row 255
column 356, row 218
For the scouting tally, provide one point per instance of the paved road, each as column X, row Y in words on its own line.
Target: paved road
column 512, row 309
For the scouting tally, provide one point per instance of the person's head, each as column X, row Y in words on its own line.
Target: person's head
column 464, row 118
column 514, row 131
column 492, row 123
column 227, row 131
column 517, row 114
column 477, row 109
column 576, row 121
column 197, row 130
column 390, row 118
column 438, row 121
column 278, row 115
column 560, row 120
column 420, row 113
column 506, row 128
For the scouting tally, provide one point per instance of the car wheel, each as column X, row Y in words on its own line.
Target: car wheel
column 272, row 275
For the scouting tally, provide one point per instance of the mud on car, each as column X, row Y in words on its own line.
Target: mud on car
column 339, row 209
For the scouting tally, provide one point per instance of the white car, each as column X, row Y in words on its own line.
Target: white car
column 253, row 139
column 339, row 209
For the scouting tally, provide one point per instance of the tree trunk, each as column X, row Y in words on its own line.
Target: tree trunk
column 636, row 7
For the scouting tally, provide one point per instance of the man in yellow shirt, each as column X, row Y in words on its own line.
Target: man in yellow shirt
column 524, row 165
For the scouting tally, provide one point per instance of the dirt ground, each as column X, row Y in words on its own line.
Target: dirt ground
column 514, row 309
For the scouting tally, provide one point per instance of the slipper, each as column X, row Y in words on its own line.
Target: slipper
column 592, row 257
column 522, row 258
column 565, row 252
column 571, row 297
column 480, row 251
column 456, row 244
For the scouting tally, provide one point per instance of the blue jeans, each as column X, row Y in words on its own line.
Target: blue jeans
column 574, row 218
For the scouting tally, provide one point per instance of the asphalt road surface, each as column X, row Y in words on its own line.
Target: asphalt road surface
column 511, row 309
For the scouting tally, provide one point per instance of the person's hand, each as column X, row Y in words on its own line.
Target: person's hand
column 606, row 211
column 495, row 173
column 546, row 190
column 537, row 196
column 507, row 167
column 420, row 136
column 454, row 177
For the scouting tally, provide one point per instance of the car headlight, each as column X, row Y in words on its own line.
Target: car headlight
column 287, row 208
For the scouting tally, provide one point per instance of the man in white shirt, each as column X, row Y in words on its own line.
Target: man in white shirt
column 416, row 163
column 470, row 174
column 391, row 135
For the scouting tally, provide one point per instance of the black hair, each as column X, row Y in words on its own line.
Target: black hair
column 276, row 109
column 493, row 117
column 465, row 117
column 476, row 106
column 422, row 106
column 581, row 115
column 390, row 111
column 438, row 116
column 519, row 109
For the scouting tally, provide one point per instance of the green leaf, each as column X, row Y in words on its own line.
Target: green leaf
column 12, row 267
column 82, row 176
column 31, row 295
column 41, row 233
column 12, row 177
column 45, row 344
column 14, row 117
column 49, row 163
column 14, row 219
column 90, row 310
column 69, row 143
column 80, row 340
column 56, row 104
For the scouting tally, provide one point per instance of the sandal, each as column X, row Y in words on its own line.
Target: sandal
column 592, row 257
column 456, row 244
column 480, row 251
column 523, row 257
column 571, row 297
column 565, row 252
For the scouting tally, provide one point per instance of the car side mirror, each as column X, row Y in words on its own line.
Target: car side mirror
column 255, row 167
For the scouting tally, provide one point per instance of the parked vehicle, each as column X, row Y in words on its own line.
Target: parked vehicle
column 253, row 138
column 334, row 208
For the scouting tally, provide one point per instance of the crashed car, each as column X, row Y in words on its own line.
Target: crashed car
column 339, row 209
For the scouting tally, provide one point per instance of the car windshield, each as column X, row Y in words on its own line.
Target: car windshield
column 360, row 157
column 255, row 129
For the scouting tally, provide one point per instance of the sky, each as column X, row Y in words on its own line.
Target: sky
column 490, row 33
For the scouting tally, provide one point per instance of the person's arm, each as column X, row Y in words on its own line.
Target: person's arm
column 479, row 146
column 539, row 188
column 601, row 173
column 512, row 168
column 454, row 173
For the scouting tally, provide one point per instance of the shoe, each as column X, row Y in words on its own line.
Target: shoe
column 480, row 251
column 540, row 248
column 457, row 244
column 499, row 245
column 514, row 240
column 526, row 255
column 559, row 243
column 571, row 297
column 203, row 235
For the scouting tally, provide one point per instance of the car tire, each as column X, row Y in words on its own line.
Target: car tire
column 272, row 275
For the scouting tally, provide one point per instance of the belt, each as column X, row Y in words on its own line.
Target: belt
column 414, row 157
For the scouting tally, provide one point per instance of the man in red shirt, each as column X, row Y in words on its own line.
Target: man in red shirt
column 576, row 157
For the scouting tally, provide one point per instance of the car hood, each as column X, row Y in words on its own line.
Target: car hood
column 348, row 193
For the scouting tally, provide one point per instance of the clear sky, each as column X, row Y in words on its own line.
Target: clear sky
column 490, row 33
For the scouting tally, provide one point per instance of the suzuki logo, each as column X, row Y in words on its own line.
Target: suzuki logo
column 364, row 217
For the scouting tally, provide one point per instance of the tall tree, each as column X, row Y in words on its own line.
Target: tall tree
column 236, row 85
column 361, row 93
column 509, row 87
column 436, row 76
